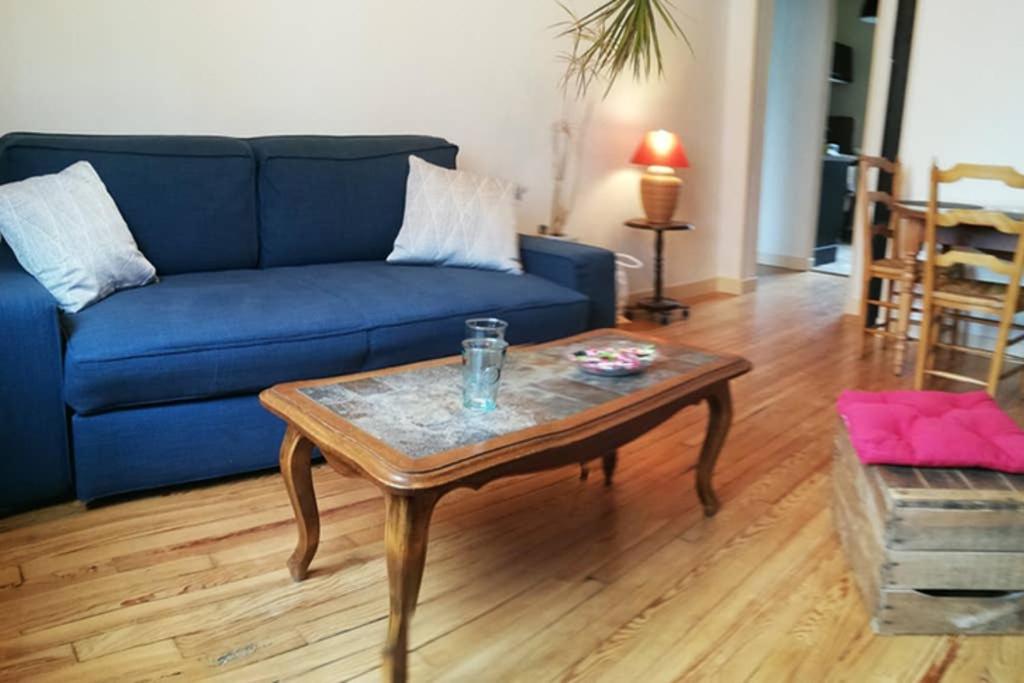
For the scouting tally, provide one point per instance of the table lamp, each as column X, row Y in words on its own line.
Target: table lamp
column 661, row 152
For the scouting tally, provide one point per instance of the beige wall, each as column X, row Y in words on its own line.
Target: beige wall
column 482, row 73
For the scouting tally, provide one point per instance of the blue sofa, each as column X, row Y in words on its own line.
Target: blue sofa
column 270, row 253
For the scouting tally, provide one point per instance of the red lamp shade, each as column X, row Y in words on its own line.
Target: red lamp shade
column 661, row 148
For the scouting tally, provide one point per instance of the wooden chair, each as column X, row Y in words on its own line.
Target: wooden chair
column 946, row 288
column 898, row 267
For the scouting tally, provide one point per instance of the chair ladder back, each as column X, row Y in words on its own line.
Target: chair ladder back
column 1012, row 269
column 979, row 217
column 894, row 302
column 868, row 199
column 976, row 259
column 1005, row 174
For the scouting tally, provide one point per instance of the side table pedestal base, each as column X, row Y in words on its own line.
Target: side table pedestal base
column 659, row 309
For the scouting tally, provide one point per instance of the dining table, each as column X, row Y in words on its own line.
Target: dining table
column 984, row 237
column 912, row 215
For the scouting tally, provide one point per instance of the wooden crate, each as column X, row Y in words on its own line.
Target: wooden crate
column 932, row 550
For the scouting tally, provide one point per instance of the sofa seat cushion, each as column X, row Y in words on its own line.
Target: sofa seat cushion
column 198, row 335
column 205, row 335
column 416, row 312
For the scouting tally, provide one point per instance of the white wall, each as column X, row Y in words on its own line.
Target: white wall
column 748, row 42
column 797, row 98
column 482, row 73
column 964, row 98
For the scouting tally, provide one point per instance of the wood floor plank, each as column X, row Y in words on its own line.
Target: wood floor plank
column 649, row 571
column 346, row 654
column 695, row 638
column 986, row 659
column 41, row 606
column 36, row 664
column 141, row 663
column 233, row 613
column 10, row 577
column 736, row 653
column 534, row 578
column 648, row 635
column 216, row 653
column 807, row 648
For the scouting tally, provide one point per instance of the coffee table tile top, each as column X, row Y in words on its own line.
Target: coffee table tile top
column 419, row 412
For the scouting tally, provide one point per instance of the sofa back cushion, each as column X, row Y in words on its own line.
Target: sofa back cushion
column 189, row 201
column 326, row 199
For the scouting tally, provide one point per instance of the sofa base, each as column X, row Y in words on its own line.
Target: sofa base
column 148, row 447
column 154, row 446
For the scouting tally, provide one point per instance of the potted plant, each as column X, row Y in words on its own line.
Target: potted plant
column 616, row 36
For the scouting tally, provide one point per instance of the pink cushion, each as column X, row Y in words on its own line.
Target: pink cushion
column 932, row 429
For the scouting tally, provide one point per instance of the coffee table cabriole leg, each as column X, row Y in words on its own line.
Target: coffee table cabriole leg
column 719, row 419
column 296, row 451
column 608, row 462
column 406, row 523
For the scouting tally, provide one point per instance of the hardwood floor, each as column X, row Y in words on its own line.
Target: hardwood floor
column 536, row 578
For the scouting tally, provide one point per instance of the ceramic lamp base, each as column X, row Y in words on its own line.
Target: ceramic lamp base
column 659, row 193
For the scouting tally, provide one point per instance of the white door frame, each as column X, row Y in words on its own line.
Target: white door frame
column 874, row 120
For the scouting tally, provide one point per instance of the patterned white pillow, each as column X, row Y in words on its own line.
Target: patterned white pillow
column 456, row 218
column 66, row 231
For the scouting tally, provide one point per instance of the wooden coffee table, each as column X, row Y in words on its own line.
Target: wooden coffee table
column 404, row 430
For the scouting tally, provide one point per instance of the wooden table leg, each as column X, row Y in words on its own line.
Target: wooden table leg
column 608, row 462
column 906, row 299
column 719, row 420
column 407, row 519
column 296, row 451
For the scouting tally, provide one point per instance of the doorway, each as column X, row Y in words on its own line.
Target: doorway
column 853, row 39
column 828, row 99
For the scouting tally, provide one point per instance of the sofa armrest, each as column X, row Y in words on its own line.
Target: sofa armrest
column 586, row 269
column 35, row 465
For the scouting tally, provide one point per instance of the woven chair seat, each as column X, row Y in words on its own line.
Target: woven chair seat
column 949, row 288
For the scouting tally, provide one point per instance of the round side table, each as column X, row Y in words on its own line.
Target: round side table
column 659, row 306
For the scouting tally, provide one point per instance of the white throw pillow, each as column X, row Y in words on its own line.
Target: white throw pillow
column 66, row 231
column 455, row 218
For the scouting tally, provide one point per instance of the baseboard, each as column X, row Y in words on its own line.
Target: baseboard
column 734, row 285
column 784, row 261
column 712, row 285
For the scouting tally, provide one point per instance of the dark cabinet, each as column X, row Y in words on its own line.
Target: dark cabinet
column 832, row 208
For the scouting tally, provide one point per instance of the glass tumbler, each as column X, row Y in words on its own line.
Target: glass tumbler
column 486, row 328
column 482, row 360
